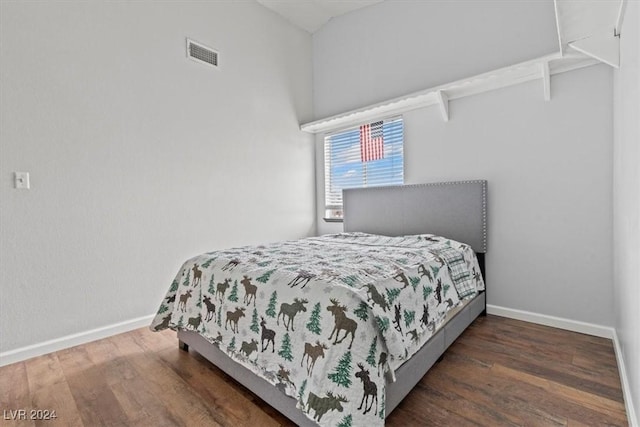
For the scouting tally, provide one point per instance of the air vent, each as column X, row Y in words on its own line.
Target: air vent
column 202, row 54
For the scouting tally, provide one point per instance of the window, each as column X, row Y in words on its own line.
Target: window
column 366, row 156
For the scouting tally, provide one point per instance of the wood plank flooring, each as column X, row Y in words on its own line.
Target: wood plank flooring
column 499, row 372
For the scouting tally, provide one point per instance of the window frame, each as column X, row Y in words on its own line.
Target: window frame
column 334, row 212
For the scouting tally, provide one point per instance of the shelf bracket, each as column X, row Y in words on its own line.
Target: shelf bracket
column 443, row 103
column 546, row 80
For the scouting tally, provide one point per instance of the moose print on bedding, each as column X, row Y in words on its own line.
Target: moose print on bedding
column 326, row 319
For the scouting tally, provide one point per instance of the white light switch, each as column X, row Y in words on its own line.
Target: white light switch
column 22, row 180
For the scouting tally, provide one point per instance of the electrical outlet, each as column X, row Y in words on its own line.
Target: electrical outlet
column 22, row 180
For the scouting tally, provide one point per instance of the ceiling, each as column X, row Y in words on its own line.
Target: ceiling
column 311, row 15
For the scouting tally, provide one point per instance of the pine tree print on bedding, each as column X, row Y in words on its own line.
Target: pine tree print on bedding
column 323, row 318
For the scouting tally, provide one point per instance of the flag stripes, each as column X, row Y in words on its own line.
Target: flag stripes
column 371, row 142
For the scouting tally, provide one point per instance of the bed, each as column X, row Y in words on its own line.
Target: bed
column 342, row 325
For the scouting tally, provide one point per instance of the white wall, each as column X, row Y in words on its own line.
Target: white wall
column 140, row 157
column 549, row 171
column 548, row 163
column 398, row 46
column 626, row 200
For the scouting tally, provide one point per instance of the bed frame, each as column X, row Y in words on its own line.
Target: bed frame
column 457, row 210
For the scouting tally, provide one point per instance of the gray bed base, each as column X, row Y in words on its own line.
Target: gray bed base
column 407, row 376
column 453, row 209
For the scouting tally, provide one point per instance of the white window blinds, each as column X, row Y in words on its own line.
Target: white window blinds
column 366, row 156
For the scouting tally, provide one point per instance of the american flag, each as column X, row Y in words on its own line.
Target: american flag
column 371, row 142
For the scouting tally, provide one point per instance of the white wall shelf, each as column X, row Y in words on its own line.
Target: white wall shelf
column 540, row 68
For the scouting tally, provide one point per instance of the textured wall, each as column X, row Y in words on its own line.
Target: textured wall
column 549, row 164
column 140, row 157
column 549, row 171
column 398, row 47
column 626, row 200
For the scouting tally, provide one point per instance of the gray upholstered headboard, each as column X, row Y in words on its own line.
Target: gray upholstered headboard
column 457, row 210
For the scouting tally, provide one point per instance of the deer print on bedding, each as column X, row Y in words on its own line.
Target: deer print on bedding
column 289, row 311
column 197, row 275
column 233, row 317
column 342, row 322
column 370, row 289
column 370, row 390
column 249, row 290
column 312, row 352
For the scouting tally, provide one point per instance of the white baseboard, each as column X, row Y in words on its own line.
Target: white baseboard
column 583, row 328
column 20, row 354
column 556, row 322
column 626, row 387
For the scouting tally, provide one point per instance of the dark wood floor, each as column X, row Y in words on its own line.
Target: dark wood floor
column 499, row 372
